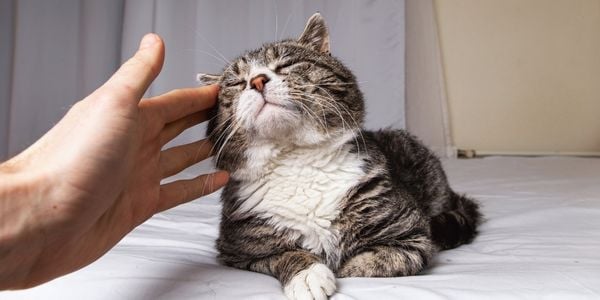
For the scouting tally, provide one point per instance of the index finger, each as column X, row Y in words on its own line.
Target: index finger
column 179, row 103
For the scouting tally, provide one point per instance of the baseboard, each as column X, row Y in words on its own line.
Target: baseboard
column 480, row 153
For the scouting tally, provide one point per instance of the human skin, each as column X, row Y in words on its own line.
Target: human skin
column 96, row 175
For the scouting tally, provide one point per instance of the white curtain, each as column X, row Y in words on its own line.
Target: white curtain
column 6, row 54
column 62, row 49
column 54, row 52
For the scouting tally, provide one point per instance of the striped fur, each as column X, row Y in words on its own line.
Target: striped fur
column 312, row 194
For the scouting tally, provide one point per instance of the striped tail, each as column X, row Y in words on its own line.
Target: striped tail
column 457, row 226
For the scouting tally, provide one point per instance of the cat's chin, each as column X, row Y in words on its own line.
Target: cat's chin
column 270, row 113
column 273, row 129
column 275, row 122
column 301, row 135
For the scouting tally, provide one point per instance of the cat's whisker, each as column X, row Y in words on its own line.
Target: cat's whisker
column 215, row 130
column 334, row 103
column 308, row 97
column 276, row 20
column 200, row 35
column 343, row 107
column 333, row 84
column 219, row 60
column 344, row 123
column 304, row 96
column 287, row 21
column 223, row 122
column 324, row 119
column 219, row 126
column 359, row 133
column 213, row 56
column 225, row 143
column 221, row 135
column 332, row 100
column 314, row 116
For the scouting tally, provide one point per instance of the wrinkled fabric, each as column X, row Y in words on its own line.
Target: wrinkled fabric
column 541, row 239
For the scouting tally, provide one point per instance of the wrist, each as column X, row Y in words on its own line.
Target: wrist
column 20, row 241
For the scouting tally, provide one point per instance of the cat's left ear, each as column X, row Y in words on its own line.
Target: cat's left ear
column 207, row 79
column 316, row 35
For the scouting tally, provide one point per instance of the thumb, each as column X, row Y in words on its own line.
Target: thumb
column 135, row 76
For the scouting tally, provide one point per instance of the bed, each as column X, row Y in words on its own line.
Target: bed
column 541, row 240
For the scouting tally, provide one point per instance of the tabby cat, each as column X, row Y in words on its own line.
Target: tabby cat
column 312, row 195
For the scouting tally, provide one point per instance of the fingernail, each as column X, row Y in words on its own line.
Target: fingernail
column 148, row 40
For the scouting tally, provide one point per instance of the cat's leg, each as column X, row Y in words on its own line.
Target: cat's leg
column 315, row 282
column 253, row 244
column 301, row 273
column 389, row 261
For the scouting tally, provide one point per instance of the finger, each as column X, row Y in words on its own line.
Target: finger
column 135, row 75
column 176, row 159
column 173, row 129
column 182, row 191
column 179, row 103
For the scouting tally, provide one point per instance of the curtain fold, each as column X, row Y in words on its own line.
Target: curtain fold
column 7, row 12
column 62, row 50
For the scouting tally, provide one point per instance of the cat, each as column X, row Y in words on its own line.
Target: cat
column 312, row 195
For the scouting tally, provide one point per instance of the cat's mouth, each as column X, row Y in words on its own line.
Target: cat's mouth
column 269, row 110
column 269, row 107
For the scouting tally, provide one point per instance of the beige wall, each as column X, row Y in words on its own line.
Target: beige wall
column 426, row 103
column 522, row 76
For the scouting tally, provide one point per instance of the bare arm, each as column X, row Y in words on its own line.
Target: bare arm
column 95, row 176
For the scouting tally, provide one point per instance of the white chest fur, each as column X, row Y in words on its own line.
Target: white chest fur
column 302, row 190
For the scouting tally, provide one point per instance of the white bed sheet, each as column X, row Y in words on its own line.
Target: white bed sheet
column 541, row 240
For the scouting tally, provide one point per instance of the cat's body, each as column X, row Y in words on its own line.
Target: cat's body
column 310, row 197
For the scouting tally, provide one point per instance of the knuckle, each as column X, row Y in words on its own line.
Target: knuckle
column 113, row 99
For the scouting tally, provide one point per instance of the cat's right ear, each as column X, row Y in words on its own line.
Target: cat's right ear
column 207, row 79
column 316, row 35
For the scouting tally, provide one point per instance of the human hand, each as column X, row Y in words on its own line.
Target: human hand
column 95, row 176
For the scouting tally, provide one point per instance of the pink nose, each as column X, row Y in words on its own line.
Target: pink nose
column 258, row 82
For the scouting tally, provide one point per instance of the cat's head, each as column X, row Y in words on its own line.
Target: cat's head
column 288, row 93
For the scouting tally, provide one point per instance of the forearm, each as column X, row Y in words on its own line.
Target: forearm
column 20, row 242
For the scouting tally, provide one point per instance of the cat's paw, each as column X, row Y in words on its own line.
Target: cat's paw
column 317, row 282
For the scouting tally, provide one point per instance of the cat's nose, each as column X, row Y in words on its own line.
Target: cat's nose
column 258, row 82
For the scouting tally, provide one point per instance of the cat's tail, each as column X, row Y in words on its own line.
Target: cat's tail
column 458, row 225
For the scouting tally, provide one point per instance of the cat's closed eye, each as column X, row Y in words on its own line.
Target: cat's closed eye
column 236, row 82
column 285, row 67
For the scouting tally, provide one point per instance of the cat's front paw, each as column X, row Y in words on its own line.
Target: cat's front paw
column 317, row 282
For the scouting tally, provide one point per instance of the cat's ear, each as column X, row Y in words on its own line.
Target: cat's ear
column 207, row 79
column 316, row 35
